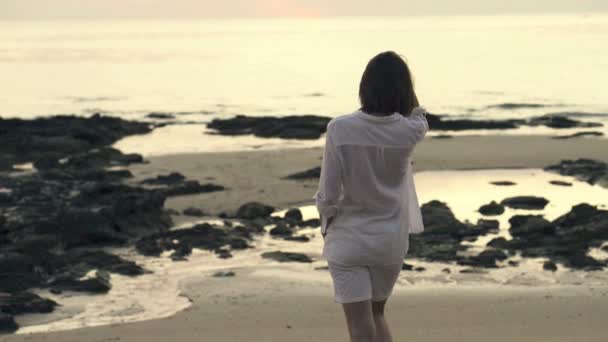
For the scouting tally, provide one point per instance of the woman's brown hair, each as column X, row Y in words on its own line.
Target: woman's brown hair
column 386, row 86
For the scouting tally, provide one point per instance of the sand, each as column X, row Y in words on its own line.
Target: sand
column 258, row 175
column 255, row 305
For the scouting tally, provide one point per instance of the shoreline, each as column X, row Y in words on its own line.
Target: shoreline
column 262, row 305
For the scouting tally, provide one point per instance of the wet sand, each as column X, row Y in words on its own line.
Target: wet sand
column 258, row 175
column 255, row 305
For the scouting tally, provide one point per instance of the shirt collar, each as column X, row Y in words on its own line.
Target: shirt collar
column 386, row 118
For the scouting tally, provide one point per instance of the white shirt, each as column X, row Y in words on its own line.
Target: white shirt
column 367, row 187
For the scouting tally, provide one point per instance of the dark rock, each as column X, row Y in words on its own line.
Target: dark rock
column 419, row 269
column 161, row 116
column 525, row 202
column 498, row 243
column 286, row 256
column 281, row 229
column 492, row 209
column 287, row 127
column 322, row 268
column 172, row 211
column 193, row 212
column 503, row 183
column 550, row 266
column 224, row 274
column 313, row 173
column 315, row 223
column 407, row 267
column 474, row 271
column 443, row 136
column 558, row 122
column 488, row 225
column 299, row 238
column 487, row 259
column 443, row 234
column 223, row 253
column 25, row 302
column 528, row 225
column 181, row 251
column 99, row 284
column 560, row 183
column 202, row 236
column 7, row 323
column 437, row 123
column 511, row 105
column 254, row 210
column 513, row 263
column 170, row 179
column 580, row 134
column 446, row 270
column 566, row 240
column 191, row 187
column 294, row 215
column 586, row 170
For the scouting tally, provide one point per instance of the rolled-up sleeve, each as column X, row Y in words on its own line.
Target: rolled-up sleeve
column 418, row 124
column 330, row 183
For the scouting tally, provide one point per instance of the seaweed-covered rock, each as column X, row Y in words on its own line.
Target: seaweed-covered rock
column 492, row 209
column 287, row 257
column 525, row 202
column 287, row 127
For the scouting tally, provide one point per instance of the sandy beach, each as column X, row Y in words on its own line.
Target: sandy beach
column 257, row 305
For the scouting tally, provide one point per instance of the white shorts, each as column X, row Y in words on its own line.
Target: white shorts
column 360, row 283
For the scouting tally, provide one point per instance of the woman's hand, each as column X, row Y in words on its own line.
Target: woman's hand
column 329, row 221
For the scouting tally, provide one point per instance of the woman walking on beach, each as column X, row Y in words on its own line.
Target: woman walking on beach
column 366, row 196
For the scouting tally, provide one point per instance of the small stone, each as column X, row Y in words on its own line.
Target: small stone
column 549, row 266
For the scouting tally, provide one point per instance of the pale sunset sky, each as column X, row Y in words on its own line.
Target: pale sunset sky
column 170, row 9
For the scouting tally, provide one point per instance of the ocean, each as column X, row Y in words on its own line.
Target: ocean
column 464, row 66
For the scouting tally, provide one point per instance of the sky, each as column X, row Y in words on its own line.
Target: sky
column 170, row 9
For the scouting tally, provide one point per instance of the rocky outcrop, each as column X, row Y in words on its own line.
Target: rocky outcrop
column 561, row 121
column 525, row 202
column 586, row 170
column 286, row 127
column 492, row 209
column 565, row 240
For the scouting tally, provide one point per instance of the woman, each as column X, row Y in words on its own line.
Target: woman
column 366, row 196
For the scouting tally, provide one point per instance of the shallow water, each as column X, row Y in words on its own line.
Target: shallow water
column 158, row 295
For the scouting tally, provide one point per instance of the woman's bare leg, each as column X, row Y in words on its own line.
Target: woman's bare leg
column 383, row 334
column 360, row 321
